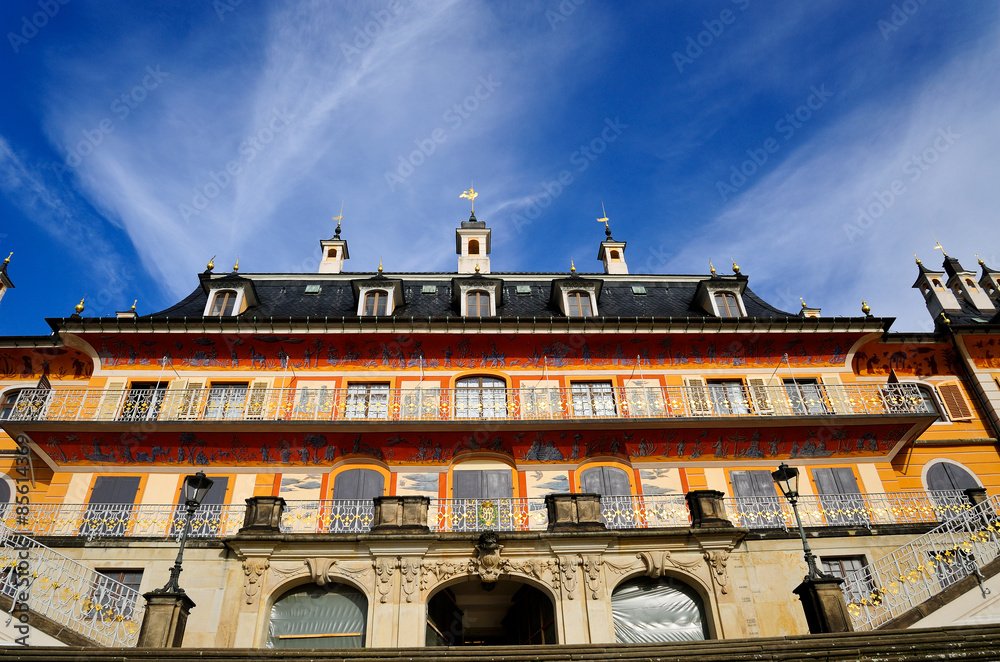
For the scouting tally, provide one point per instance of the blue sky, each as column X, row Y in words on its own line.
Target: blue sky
column 727, row 129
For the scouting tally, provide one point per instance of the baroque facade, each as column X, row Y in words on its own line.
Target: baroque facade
column 408, row 459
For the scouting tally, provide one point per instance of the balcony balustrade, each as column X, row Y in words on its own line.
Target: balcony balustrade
column 333, row 516
column 465, row 404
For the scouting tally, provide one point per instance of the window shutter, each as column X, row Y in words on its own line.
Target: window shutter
column 590, row 481
column 697, row 397
column 752, row 484
column 114, row 393
column 466, row 484
column 616, row 481
column 838, row 480
column 954, row 401
column 761, row 397
column 947, row 476
column 115, row 489
column 498, row 485
column 257, row 399
column 833, row 389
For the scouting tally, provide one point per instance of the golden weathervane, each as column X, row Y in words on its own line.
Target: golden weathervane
column 471, row 196
column 604, row 219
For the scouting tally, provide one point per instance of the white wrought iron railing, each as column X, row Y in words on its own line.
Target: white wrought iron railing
column 645, row 512
column 143, row 405
column 961, row 546
column 124, row 520
column 488, row 514
column 79, row 598
column 332, row 516
column 848, row 509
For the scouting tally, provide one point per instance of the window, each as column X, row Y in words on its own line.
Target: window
column 937, row 284
column 806, row 397
column 223, row 303
column 617, row 508
column 358, row 484
column 482, row 500
column 648, row 610
column 616, row 256
column 970, row 284
column 376, row 303
column 7, row 405
column 857, row 584
column 756, row 499
column 480, row 397
column 332, row 252
column 728, row 397
column 593, row 399
column 367, row 401
column 208, row 518
column 109, row 511
column 330, row 616
column 578, row 304
column 143, row 401
column 840, row 497
column 947, row 476
column 726, row 304
column 226, row 400
column 112, row 595
column 954, row 401
column 477, row 304
column 473, row 247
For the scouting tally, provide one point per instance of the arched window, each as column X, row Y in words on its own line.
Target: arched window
column 7, row 404
column 969, row 284
column 946, row 476
column 657, row 610
column 937, row 284
column 477, row 304
column 925, row 290
column 223, row 303
column 376, row 302
column 616, row 256
column 480, row 397
column 358, row 484
column 330, row 616
column 473, row 247
column 579, row 304
column 727, row 304
column 332, row 252
column 606, row 481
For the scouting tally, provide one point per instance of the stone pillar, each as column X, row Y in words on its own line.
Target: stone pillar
column 707, row 509
column 976, row 495
column 401, row 514
column 165, row 619
column 574, row 512
column 263, row 515
column 824, row 605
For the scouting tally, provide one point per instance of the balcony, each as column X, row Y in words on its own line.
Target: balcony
column 303, row 404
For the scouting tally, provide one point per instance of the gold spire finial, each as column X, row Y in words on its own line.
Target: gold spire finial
column 477, row 267
column 236, row 267
column 938, row 246
column 211, row 264
column 572, row 267
column 79, row 306
column 380, row 264
column 736, row 267
column 711, row 267
column 7, row 261
column 917, row 259
column 471, row 196
column 981, row 263
column 133, row 305
column 803, row 302
column 604, row 219
column 866, row 309
column 339, row 217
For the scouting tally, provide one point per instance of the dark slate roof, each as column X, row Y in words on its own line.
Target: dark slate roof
column 286, row 298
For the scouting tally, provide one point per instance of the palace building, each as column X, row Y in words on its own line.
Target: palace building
column 483, row 458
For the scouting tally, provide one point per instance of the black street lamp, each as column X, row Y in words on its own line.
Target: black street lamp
column 195, row 489
column 787, row 479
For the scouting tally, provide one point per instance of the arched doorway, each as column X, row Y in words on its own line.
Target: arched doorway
column 510, row 613
column 649, row 610
column 311, row 616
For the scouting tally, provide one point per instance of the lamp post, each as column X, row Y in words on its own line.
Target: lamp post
column 195, row 489
column 787, row 479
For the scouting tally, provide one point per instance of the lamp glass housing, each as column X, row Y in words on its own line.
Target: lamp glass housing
column 196, row 488
column 787, row 479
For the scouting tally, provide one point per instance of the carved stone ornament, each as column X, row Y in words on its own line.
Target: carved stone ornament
column 439, row 571
column 321, row 570
column 384, row 568
column 253, row 569
column 717, row 560
column 409, row 570
column 534, row 567
column 487, row 563
column 592, row 574
column 657, row 562
column 620, row 568
column 567, row 575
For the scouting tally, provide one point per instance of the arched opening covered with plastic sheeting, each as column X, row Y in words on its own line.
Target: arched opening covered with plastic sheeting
column 656, row 610
column 311, row 616
column 508, row 613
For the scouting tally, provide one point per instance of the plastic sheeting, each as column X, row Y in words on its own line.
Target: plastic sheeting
column 304, row 616
column 651, row 611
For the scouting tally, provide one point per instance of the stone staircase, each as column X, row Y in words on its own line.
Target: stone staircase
column 954, row 643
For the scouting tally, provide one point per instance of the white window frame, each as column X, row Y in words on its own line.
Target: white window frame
column 725, row 290
column 465, row 288
column 945, row 460
column 589, row 290
column 237, row 304
column 390, row 304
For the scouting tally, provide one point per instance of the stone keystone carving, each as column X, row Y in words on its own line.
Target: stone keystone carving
column 254, row 569
column 657, row 562
column 487, row 563
column 321, row 570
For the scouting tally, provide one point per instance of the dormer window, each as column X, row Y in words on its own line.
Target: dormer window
column 578, row 304
column 376, row 303
column 223, row 303
column 727, row 305
column 477, row 304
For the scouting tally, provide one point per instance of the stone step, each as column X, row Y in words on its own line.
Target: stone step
column 965, row 643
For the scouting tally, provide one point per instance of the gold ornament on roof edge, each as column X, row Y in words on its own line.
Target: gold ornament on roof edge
column 79, row 306
column 865, row 308
column 211, row 264
column 7, row 261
